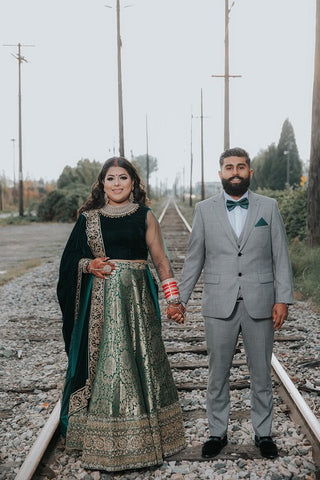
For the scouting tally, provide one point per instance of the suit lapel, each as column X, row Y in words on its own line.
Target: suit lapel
column 250, row 220
column 221, row 214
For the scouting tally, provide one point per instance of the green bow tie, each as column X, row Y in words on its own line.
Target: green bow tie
column 243, row 203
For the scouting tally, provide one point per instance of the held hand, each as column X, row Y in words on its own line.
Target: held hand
column 279, row 314
column 101, row 267
column 176, row 312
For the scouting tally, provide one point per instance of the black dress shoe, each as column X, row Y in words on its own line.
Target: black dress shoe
column 213, row 446
column 268, row 448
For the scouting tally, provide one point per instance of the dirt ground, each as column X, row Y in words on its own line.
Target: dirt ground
column 40, row 241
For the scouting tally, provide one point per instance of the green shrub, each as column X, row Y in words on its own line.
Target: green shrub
column 62, row 205
column 293, row 208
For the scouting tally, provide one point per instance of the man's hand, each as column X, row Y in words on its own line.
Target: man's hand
column 176, row 312
column 279, row 314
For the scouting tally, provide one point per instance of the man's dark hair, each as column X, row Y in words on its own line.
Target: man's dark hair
column 235, row 152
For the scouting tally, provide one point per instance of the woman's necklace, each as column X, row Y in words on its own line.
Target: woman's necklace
column 119, row 211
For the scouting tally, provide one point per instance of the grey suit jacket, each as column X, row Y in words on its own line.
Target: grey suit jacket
column 257, row 262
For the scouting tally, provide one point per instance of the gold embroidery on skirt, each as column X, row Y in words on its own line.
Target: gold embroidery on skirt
column 116, row 444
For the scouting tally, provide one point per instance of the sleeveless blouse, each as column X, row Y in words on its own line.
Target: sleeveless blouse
column 125, row 237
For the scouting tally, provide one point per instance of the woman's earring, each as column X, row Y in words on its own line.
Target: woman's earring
column 106, row 198
column 131, row 197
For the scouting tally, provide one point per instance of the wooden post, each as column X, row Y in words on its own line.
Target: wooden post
column 313, row 216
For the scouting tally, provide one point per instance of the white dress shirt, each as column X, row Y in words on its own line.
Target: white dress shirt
column 238, row 215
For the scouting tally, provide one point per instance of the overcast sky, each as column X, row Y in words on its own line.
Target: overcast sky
column 170, row 50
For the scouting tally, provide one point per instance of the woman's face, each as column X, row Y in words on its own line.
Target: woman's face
column 118, row 185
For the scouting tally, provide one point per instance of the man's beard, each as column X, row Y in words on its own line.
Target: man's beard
column 237, row 189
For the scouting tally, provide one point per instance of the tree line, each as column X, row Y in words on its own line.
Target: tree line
column 279, row 166
column 74, row 186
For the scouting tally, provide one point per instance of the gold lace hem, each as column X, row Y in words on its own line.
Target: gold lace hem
column 115, row 444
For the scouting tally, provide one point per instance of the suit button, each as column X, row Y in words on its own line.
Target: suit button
column 240, row 274
column 239, row 254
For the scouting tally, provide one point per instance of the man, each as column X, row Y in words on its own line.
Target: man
column 239, row 242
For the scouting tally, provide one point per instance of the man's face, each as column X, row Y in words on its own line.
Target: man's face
column 235, row 176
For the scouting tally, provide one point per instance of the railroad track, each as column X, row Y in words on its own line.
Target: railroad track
column 185, row 345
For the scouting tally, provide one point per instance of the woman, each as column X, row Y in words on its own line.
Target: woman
column 120, row 405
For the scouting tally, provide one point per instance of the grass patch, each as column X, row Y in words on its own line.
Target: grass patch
column 305, row 263
column 19, row 270
column 17, row 220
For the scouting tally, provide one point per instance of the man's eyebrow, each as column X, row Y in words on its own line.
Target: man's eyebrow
column 235, row 165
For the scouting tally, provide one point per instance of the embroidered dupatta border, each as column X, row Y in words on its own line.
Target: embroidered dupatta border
column 80, row 398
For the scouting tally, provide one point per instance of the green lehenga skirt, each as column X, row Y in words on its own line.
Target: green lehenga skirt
column 133, row 418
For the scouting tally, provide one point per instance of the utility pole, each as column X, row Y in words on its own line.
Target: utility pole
column 287, row 153
column 147, row 160
column 226, row 76
column 202, row 148
column 191, row 165
column 313, row 215
column 13, row 162
column 202, row 154
column 183, row 184
column 20, row 59
column 120, row 102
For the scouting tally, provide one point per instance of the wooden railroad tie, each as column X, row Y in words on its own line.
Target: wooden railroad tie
column 229, row 452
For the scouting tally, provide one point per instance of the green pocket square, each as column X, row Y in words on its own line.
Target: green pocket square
column 261, row 222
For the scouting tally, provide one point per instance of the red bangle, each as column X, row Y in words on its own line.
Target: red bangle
column 170, row 289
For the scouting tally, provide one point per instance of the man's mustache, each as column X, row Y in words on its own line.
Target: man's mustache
column 233, row 178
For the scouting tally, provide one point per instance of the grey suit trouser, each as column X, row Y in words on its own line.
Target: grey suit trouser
column 221, row 337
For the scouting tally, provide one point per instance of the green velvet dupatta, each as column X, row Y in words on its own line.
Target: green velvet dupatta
column 74, row 295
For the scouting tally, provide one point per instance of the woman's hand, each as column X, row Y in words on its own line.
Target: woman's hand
column 101, row 267
column 176, row 312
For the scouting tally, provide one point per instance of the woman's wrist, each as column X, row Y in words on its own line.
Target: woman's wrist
column 85, row 265
column 170, row 290
column 173, row 301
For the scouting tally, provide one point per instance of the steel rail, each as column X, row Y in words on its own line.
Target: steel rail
column 39, row 447
column 162, row 214
column 292, row 393
column 311, row 424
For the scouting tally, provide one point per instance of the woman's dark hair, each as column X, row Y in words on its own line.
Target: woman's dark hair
column 97, row 198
